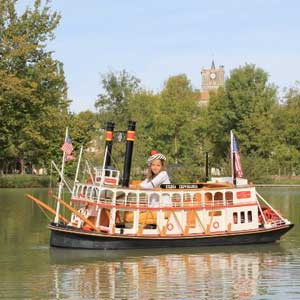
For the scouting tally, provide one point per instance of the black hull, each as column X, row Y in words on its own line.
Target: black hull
column 65, row 237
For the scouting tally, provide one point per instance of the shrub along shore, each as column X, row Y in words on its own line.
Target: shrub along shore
column 24, row 181
column 40, row 181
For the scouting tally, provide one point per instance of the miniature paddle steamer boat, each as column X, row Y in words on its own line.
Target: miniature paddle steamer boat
column 107, row 215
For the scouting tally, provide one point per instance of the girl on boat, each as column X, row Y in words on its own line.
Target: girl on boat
column 156, row 176
column 157, row 173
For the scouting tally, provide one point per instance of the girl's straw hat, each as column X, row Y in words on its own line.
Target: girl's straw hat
column 155, row 155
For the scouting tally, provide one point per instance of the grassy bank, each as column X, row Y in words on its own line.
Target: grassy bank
column 278, row 180
column 24, row 181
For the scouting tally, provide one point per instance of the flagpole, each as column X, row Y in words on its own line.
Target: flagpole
column 231, row 156
column 61, row 184
column 77, row 170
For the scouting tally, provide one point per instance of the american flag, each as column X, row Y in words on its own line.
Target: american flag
column 237, row 161
column 67, row 147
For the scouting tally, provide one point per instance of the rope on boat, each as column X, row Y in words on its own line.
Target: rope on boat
column 261, row 212
column 44, row 205
column 273, row 209
column 61, row 176
column 44, row 212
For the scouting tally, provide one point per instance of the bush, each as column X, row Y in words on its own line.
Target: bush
column 24, row 181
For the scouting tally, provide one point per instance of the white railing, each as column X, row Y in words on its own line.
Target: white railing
column 162, row 198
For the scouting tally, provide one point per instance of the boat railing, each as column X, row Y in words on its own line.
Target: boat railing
column 152, row 198
column 106, row 176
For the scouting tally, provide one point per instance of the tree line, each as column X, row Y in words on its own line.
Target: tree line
column 35, row 109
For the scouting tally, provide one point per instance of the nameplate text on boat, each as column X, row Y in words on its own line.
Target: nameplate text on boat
column 182, row 186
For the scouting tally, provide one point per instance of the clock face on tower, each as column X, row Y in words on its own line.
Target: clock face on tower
column 212, row 75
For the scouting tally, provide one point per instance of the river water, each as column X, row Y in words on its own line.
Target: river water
column 30, row 269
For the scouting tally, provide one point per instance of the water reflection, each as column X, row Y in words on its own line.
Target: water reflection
column 181, row 274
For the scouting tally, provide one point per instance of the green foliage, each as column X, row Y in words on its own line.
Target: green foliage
column 32, row 87
column 24, row 181
column 286, row 151
column 245, row 106
column 118, row 88
column 173, row 123
column 178, row 121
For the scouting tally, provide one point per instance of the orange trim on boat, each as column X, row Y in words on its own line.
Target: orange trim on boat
column 109, row 136
column 130, row 135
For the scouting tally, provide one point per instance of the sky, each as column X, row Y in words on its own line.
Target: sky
column 156, row 39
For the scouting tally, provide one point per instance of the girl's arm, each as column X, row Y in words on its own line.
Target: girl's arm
column 162, row 177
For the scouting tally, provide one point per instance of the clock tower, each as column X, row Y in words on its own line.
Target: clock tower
column 212, row 78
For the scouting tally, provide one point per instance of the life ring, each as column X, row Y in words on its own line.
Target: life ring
column 170, row 226
column 216, row 225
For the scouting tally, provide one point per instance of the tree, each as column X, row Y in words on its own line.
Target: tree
column 118, row 88
column 144, row 109
column 32, row 86
column 245, row 105
column 178, row 122
column 286, row 151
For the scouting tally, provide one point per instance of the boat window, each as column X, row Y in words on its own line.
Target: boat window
column 249, row 215
column 120, row 198
column 82, row 191
column 125, row 219
column 94, row 194
column 154, row 200
column 166, row 200
column 131, row 199
column 215, row 213
column 176, row 199
column 89, row 192
column 235, row 218
column 143, row 199
column 208, row 198
column 242, row 217
column 104, row 217
column 187, row 197
column 229, row 198
column 197, row 198
column 218, row 196
column 106, row 196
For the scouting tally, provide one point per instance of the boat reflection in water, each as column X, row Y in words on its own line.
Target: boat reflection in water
column 221, row 274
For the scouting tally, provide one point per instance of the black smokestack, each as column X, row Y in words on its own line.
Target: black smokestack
column 108, row 142
column 128, row 153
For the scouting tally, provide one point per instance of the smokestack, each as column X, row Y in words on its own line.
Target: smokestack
column 128, row 153
column 108, row 142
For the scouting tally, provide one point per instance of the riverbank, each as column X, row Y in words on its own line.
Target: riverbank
column 24, row 181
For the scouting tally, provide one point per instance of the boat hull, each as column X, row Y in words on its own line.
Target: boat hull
column 65, row 237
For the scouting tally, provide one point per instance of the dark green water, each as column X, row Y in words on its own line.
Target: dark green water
column 30, row 269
